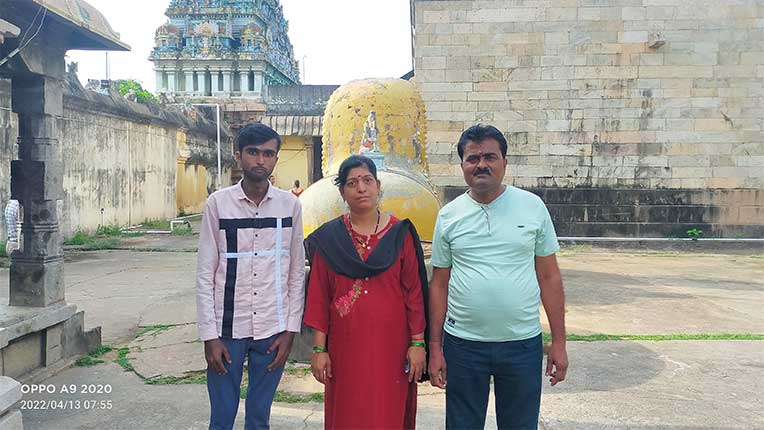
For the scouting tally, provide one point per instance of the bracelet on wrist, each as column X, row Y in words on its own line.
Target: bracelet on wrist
column 417, row 344
column 317, row 349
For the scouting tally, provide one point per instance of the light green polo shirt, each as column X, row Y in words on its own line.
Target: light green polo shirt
column 493, row 293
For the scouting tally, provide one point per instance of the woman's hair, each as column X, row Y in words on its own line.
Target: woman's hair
column 351, row 163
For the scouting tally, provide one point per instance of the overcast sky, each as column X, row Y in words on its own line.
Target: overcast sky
column 342, row 39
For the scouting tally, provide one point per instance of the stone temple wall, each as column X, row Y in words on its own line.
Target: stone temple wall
column 618, row 97
column 9, row 131
column 127, row 169
column 136, row 162
column 128, row 158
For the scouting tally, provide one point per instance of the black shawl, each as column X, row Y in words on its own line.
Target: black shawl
column 334, row 243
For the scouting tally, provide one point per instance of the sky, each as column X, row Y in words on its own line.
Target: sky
column 339, row 40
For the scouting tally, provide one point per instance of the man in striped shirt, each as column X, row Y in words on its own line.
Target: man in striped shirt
column 250, row 283
column 11, row 226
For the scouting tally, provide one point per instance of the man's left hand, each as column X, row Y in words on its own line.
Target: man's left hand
column 557, row 363
column 283, row 345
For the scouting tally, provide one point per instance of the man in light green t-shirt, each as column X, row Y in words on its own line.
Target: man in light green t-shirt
column 493, row 257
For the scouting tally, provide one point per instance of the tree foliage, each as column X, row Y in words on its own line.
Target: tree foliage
column 141, row 95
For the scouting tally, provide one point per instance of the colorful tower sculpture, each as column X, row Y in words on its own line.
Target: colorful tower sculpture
column 223, row 49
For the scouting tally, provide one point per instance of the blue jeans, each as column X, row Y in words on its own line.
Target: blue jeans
column 516, row 370
column 225, row 390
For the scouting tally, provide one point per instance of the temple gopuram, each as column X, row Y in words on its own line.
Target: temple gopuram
column 223, row 49
column 236, row 54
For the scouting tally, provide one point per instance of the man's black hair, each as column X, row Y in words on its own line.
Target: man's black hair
column 477, row 134
column 257, row 134
column 351, row 163
column 297, row 183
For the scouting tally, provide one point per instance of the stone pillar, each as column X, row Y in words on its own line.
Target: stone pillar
column 37, row 277
column 227, row 87
column 160, row 82
column 258, row 90
column 189, row 82
column 202, row 77
column 215, row 82
column 248, row 83
column 171, row 87
column 244, row 82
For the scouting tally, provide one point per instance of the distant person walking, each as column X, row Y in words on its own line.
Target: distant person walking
column 297, row 190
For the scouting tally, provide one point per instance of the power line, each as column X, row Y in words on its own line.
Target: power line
column 26, row 33
column 25, row 44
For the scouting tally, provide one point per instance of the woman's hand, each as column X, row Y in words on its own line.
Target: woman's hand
column 417, row 357
column 321, row 366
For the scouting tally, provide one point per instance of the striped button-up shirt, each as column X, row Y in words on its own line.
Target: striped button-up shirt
column 12, row 220
column 251, row 265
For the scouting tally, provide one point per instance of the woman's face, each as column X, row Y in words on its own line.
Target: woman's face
column 361, row 191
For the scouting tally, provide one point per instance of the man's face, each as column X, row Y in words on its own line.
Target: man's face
column 258, row 162
column 483, row 166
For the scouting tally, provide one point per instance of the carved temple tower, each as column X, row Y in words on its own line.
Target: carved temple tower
column 223, row 49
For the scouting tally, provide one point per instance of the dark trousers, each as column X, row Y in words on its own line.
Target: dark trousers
column 516, row 370
column 225, row 390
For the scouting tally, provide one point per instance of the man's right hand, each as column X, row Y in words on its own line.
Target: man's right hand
column 437, row 368
column 215, row 352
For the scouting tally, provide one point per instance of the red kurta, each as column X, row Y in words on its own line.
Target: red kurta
column 369, row 323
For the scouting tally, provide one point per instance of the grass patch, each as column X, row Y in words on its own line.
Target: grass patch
column 285, row 397
column 198, row 379
column 297, row 371
column 105, row 238
column 101, row 350
column 87, row 361
column 657, row 337
column 757, row 257
column 102, row 243
column 109, row 230
column 163, row 225
column 94, row 357
column 123, row 361
column 183, row 231
column 108, row 237
column 79, row 238
column 154, row 329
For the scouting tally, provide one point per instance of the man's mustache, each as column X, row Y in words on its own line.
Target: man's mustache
column 482, row 171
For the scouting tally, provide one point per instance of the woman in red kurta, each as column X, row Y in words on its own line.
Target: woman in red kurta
column 366, row 302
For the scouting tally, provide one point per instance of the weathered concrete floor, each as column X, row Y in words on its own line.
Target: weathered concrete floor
column 677, row 385
column 170, row 407
column 118, row 290
column 666, row 293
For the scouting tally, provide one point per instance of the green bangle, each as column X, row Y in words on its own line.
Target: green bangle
column 318, row 349
column 417, row 344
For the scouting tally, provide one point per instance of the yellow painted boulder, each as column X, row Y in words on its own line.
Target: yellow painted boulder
column 391, row 113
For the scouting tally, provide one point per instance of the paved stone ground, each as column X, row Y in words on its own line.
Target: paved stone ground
column 648, row 385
